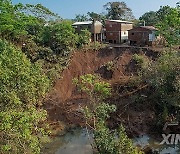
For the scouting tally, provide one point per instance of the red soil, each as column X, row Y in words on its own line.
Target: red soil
column 64, row 101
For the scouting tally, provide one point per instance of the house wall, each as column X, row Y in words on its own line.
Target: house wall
column 98, row 28
column 141, row 36
column 78, row 28
column 99, row 33
column 117, row 32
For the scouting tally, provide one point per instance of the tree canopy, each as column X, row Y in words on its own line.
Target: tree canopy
column 169, row 24
column 150, row 18
column 23, row 85
column 118, row 10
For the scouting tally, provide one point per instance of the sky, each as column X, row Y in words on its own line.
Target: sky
column 67, row 9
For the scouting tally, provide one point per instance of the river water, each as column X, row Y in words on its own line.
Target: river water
column 77, row 141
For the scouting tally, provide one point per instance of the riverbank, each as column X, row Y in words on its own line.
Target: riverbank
column 136, row 112
column 77, row 141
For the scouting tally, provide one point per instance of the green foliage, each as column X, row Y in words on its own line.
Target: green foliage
column 162, row 12
column 150, row 18
column 12, row 23
column 140, row 60
column 60, row 37
column 110, row 65
column 116, row 142
column 38, row 11
column 80, row 18
column 94, row 46
column 93, row 86
column 56, row 42
column 44, row 42
column 125, row 145
column 20, row 76
column 89, row 17
column 22, row 88
column 169, row 25
column 94, row 16
column 105, row 140
column 84, row 38
column 164, row 76
column 118, row 10
column 97, row 17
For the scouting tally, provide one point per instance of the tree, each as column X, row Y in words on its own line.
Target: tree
column 23, row 85
column 150, row 18
column 178, row 4
column 169, row 25
column 84, row 38
column 164, row 76
column 12, row 23
column 80, row 18
column 38, row 11
column 94, row 16
column 60, row 37
column 96, row 114
column 162, row 12
column 118, row 10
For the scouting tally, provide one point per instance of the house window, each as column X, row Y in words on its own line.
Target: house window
column 132, row 33
column 111, row 34
column 124, row 33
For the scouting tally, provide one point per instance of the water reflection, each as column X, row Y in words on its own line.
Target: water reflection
column 77, row 141
column 146, row 141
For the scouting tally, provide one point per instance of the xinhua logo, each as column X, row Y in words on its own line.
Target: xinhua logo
column 170, row 139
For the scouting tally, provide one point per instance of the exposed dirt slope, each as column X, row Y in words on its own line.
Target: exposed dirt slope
column 92, row 62
column 64, row 101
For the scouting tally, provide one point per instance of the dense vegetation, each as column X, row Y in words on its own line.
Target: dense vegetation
column 36, row 45
column 96, row 114
column 23, row 85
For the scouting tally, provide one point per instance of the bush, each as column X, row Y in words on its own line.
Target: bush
column 164, row 76
column 105, row 140
column 94, row 46
column 140, row 60
column 84, row 38
column 22, row 88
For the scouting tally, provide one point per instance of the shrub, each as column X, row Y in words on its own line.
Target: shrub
column 23, row 85
column 140, row 60
column 164, row 76
column 84, row 38
column 105, row 140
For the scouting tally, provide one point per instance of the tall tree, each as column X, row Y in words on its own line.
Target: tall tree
column 37, row 11
column 22, row 88
column 150, row 18
column 162, row 12
column 178, row 4
column 94, row 16
column 80, row 18
column 118, row 10
column 169, row 25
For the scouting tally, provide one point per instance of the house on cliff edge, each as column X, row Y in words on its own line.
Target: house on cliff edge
column 96, row 28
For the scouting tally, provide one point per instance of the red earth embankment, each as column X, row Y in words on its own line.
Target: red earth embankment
column 65, row 101
column 92, row 62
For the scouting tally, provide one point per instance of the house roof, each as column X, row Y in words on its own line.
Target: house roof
column 86, row 23
column 149, row 27
column 120, row 21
